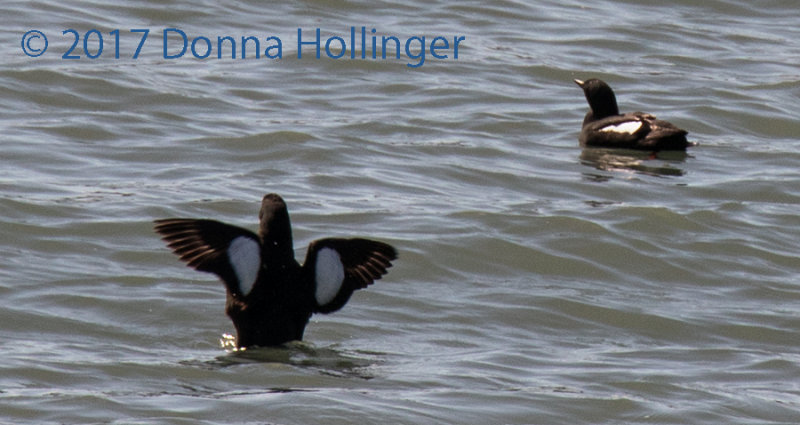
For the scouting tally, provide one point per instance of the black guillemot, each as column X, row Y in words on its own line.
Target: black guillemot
column 270, row 296
column 604, row 126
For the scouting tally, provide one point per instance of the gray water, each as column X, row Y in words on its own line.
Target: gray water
column 537, row 282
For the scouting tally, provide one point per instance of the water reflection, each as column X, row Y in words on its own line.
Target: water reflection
column 658, row 164
column 325, row 360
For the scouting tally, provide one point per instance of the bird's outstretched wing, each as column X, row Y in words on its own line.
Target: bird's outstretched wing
column 337, row 267
column 230, row 252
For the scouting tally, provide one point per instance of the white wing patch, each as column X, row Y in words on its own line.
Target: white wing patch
column 629, row 127
column 328, row 275
column 245, row 257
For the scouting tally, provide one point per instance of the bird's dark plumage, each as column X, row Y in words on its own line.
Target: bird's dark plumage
column 270, row 296
column 604, row 126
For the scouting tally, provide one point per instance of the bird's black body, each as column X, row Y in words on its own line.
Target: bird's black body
column 604, row 126
column 270, row 296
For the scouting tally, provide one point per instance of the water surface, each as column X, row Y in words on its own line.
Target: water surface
column 537, row 282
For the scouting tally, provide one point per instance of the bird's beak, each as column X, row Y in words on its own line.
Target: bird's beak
column 579, row 83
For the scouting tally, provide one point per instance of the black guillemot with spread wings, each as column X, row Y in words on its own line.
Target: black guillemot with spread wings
column 270, row 296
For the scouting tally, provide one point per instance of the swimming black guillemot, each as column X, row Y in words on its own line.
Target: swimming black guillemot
column 604, row 126
column 270, row 296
